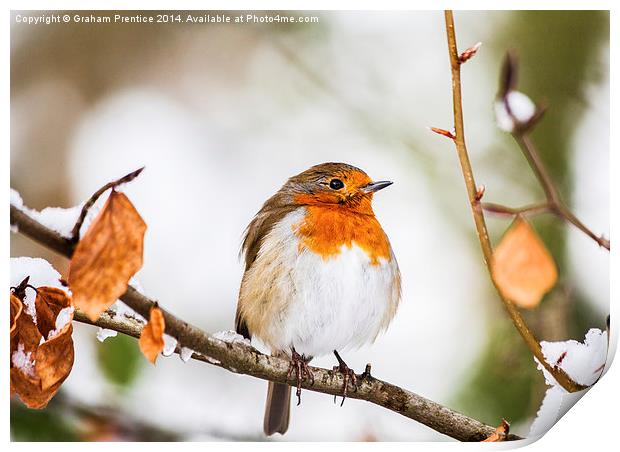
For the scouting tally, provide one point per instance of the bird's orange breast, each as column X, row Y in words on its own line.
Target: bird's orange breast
column 326, row 228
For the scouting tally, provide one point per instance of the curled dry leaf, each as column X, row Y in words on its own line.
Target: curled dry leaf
column 41, row 361
column 152, row 337
column 16, row 312
column 500, row 433
column 523, row 268
column 48, row 304
column 107, row 257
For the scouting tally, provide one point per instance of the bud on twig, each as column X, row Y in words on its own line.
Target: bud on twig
column 463, row 57
column 480, row 193
column 508, row 80
column 514, row 111
column 443, row 132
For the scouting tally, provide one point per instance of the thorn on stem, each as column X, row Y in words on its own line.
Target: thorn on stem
column 559, row 361
column 443, row 132
column 469, row 53
column 480, row 193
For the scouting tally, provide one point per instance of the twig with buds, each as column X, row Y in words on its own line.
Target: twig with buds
column 474, row 199
column 517, row 114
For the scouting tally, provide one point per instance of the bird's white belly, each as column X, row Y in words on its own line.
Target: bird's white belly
column 293, row 297
column 338, row 303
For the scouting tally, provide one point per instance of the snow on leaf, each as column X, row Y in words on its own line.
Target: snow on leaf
column 39, row 366
column 522, row 266
column 104, row 333
column 107, row 256
column 49, row 303
column 516, row 109
column 152, row 338
column 583, row 362
column 64, row 317
column 41, row 273
column 23, row 360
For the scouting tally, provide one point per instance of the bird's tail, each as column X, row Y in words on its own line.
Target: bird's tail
column 277, row 408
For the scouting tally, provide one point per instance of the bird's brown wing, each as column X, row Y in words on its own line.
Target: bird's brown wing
column 264, row 221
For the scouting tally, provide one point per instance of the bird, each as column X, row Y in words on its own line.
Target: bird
column 320, row 276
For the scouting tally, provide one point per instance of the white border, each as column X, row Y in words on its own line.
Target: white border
column 589, row 425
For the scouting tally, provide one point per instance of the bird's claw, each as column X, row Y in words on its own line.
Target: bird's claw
column 348, row 375
column 299, row 365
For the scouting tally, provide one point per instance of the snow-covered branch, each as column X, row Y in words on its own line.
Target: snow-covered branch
column 238, row 356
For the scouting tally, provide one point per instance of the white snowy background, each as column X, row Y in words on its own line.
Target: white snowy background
column 220, row 119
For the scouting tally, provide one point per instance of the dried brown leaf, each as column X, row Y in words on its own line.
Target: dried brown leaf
column 39, row 368
column 500, row 433
column 49, row 302
column 16, row 311
column 522, row 266
column 107, row 257
column 25, row 332
column 29, row 389
column 152, row 337
column 55, row 358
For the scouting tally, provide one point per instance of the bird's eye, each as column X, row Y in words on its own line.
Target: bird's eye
column 336, row 184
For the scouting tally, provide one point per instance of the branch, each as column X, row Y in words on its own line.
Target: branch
column 554, row 199
column 240, row 358
column 534, row 209
column 481, row 228
column 75, row 233
column 521, row 133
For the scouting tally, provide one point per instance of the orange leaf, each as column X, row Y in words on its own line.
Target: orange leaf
column 29, row 389
column 152, row 337
column 25, row 332
column 49, row 302
column 523, row 268
column 107, row 256
column 39, row 368
column 16, row 311
column 54, row 358
column 499, row 434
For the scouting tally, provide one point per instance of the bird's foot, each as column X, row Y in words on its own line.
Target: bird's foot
column 299, row 365
column 349, row 377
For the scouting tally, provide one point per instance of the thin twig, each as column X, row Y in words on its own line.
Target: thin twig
column 241, row 358
column 481, row 228
column 554, row 199
column 532, row 209
column 521, row 134
column 75, row 232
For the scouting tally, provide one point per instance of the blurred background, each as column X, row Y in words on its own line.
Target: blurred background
column 222, row 114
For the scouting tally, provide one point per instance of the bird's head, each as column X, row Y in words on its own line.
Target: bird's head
column 334, row 184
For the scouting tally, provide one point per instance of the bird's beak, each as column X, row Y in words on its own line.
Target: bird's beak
column 376, row 186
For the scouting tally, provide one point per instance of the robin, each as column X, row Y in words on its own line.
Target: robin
column 320, row 275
